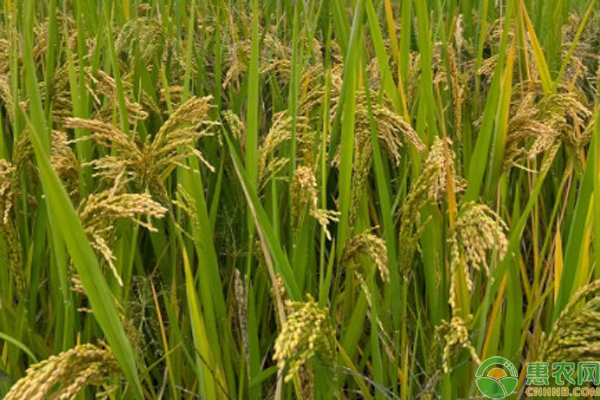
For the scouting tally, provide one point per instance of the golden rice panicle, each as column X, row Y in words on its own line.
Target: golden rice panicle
column 195, row 110
column 6, row 95
column 269, row 164
column 5, row 48
column 235, row 62
column 456, row 85
column 430, row 185
column 186, row 203
column 64, row 376
column 148, row 164
column 455, row 336
column 476, row 231
column 303, row 191
column 371, row 245
column 538, row 121
column 553, row 112
column 276, row 57
column 235, row 124
column 99, row 213
column 99, row 82
column 393, row 131
column 573, row 117
column 144, row 33
column 280, row 132
column 22, row 160
column 60, row 96
column 10, row 193
column 41, row 34
column 304, row 194
column 306, row 332
column 523, row 125
column 105, row 208
column 175, row 139
column 128, row 159
column 8, row 232
column 575, row 336
column 65, row 163
column 361, row 168
column 106, row 135
column 441, row 154
column 7, row 171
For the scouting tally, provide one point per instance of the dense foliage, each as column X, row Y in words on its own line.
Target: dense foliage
column 294, row 199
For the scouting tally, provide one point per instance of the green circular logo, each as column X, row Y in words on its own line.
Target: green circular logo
column 496, row 377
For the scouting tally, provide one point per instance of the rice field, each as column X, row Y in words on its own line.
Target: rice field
column 316, row 199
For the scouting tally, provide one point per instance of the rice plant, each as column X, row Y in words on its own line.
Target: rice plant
column 317, row 199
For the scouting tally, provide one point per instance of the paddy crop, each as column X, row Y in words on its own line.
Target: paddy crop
column 345, row 199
